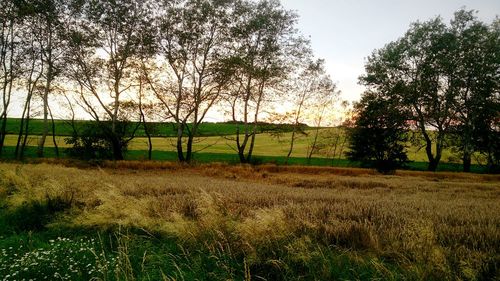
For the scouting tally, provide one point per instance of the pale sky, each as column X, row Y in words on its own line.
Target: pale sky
column 345, row 32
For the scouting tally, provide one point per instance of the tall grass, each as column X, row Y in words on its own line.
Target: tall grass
column 223, row 222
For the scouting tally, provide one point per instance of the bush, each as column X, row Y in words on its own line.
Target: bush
column 102, row 140
column 379, row 135
column 91, row 143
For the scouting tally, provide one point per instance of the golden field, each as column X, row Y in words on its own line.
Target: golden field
column 411, row 225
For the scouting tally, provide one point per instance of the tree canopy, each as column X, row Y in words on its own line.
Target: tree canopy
column 445, row 76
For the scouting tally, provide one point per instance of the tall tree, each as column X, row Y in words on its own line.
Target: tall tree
column 103, row 44
column 446, row 75
column 32, row 71
column 474, row 71
column 486, row 121
column 414, row 69
column 265, row 46
column 192, row 39
column 11, row 55
column 312, row 89
column 47, row 22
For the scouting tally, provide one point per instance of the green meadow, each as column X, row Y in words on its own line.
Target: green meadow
column 216, row 143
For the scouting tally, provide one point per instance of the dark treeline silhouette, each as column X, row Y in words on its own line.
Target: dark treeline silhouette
column 443, row 81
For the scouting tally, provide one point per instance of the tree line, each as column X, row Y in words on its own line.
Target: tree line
column 438, row 86
column 172, row 60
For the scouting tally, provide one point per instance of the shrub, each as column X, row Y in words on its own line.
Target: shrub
column 90, row 143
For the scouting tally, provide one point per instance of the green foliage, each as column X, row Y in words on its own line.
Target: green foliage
column 379, row 135
column 90, row 143
column 446, row 76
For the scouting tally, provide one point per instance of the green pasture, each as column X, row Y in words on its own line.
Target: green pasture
column 164, row 129
column 217, row 142
column 266, row 144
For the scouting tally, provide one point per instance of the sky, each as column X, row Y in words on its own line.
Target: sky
column 345, row 32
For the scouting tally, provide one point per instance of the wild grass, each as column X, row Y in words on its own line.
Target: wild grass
column 226, row 222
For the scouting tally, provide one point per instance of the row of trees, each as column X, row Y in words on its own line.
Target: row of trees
column 439, row 86
column 171, row 60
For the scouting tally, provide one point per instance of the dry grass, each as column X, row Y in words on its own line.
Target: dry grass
column 441, row 225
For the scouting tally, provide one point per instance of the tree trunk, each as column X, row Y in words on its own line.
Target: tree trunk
column 150, row 148
column 180, row 153
column 26, row 133
column 467, row 162
column 467, row 149
column 117, row 149
column 252, row 144
column 24, row 118
column 45, row 132
column 7, row 82
column 241, row 145
column 432, row 166
column 292, row 141
column 3, row 128
column 150, row 143
column 189, row 148
column 144, row 123
column 56, row 147
column 313, row 146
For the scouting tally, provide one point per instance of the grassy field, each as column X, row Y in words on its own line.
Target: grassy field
column 217, row 144
column 161, row 221
column 64, row 128
column 266, row 145
column 268, row 149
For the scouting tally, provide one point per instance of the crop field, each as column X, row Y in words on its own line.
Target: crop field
column 162, row 221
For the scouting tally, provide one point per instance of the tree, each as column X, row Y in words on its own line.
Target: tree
column 321, row 106
column 32, row 71
column 414, row 69
column 312, row 88
column 379, row 136
column 410, row 68
column 486, row 117
column 445, row 74
column 265, row 48
column 46, row 22
column 191, row 40
column 335, row 139
column 474, row 65
column 103, row 44
column 11, row 56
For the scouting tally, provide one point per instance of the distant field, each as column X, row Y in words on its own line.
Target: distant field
column 64, row 128
column 139, row 220
column 217, row 143
column 266, row 145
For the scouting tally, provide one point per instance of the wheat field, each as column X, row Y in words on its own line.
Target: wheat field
column 277, row 223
